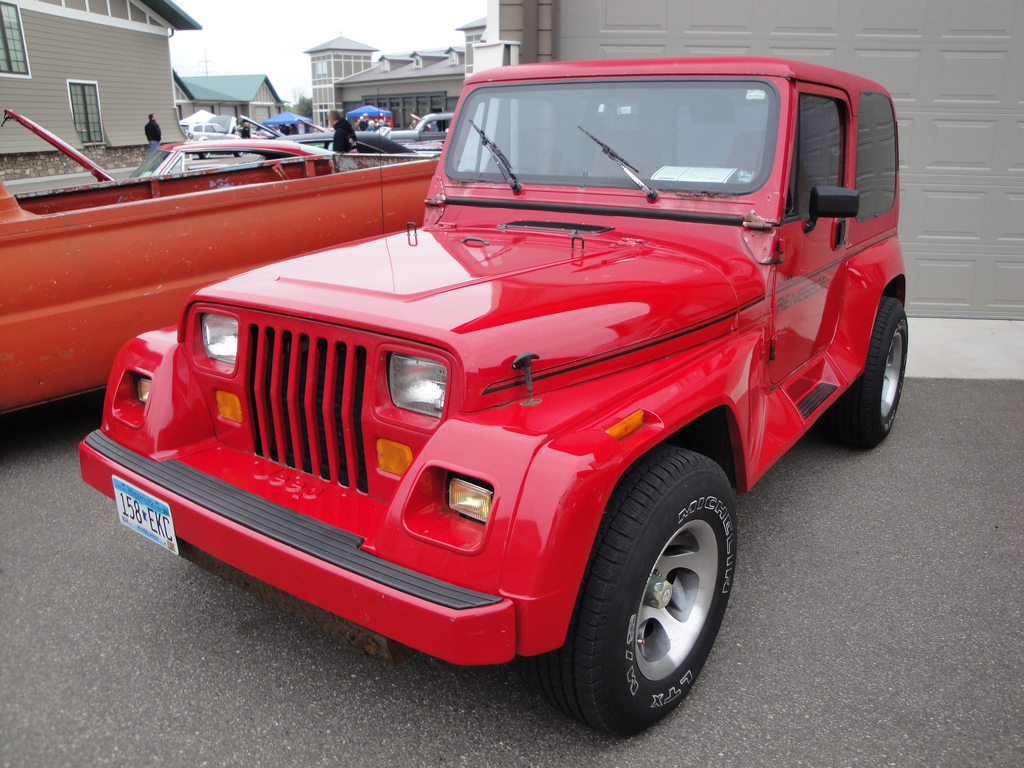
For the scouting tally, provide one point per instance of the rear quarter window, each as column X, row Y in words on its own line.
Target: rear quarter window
column 876, row 155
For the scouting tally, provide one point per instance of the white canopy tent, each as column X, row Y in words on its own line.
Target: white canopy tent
column 202, row 116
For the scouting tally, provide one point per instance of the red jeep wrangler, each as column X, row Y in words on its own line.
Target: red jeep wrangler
column 518, row 430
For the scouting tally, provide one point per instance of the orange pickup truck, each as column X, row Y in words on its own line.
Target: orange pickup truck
column 84, row 269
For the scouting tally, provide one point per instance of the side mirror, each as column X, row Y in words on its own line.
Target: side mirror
column 832, row 203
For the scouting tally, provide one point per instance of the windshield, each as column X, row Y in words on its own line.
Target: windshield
column 151, row 163
column 678, row 135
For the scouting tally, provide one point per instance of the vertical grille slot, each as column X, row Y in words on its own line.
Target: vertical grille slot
column 322, row 465
column 306, row 394
column 357, row 421
column 341, row 449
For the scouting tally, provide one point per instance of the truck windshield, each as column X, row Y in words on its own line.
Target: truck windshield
column 706, row 136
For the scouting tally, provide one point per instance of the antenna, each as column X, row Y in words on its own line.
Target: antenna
column 205, row 61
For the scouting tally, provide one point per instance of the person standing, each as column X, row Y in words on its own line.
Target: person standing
column 344, row 136
column 152, row 129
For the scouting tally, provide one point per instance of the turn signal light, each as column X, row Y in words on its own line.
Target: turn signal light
column 393, row 457
column 229, row 406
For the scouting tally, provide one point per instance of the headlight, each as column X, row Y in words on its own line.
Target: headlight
column 417, row 385
column 220, row 338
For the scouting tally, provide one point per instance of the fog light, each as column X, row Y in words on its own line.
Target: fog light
column 142, row 385
column 393, row 457
column 229, row 406
column 469, row 499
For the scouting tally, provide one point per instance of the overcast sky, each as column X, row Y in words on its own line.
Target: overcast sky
column 260, row 37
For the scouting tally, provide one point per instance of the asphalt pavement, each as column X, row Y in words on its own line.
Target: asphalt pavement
column 876, row 621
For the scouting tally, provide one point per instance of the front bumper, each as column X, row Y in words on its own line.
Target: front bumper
column 313, row 561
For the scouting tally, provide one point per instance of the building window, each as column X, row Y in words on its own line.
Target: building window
column 85, row 108
column 13, row 60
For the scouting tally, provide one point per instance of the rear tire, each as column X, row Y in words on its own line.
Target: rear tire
column 653, row 598
column 863, row 415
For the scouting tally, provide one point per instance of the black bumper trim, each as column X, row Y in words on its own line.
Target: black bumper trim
column 335, row 546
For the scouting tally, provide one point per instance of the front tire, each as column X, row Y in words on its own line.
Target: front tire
column 653, row 598
column 863, row 416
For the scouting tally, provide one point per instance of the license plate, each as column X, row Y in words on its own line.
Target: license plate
column 145, row 514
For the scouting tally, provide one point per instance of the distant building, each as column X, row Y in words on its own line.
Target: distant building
column 411, row 83
column 91, row 73
column 232, row 95
column 330, row 62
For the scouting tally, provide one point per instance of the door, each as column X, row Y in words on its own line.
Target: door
column 807, row 288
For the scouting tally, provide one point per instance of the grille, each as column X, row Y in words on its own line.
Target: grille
column 306, row 391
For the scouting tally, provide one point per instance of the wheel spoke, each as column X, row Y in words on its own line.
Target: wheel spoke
column 703, row 562
column 666, row 635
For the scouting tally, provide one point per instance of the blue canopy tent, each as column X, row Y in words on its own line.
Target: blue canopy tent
column 370, row 111
column 287, row 118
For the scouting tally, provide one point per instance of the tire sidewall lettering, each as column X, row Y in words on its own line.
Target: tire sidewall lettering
column 662, row 694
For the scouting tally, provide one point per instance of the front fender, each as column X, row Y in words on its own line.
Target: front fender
column 174, row 418
column 572, row 477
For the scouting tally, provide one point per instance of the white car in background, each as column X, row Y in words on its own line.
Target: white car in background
column 207, row 131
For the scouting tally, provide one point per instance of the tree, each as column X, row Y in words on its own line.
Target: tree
column 302, row 102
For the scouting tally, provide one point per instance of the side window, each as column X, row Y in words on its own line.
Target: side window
column 13, row 59
column 876, row 155
column 85, row 109
column 817, row 152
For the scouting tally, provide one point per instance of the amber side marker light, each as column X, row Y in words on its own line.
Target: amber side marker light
column 393, row 457
column 229, row 406
column 627, row 426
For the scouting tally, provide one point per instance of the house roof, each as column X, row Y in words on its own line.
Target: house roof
column 473, row 25
column 341, row 44
column 174, row 16
column 225, row 87
column 402, row 67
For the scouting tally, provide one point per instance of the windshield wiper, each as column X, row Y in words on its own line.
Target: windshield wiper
column 652, row 194
column 499, row 160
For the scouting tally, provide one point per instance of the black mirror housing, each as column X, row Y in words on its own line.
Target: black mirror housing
column 832, row 203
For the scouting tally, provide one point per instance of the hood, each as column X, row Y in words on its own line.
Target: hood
column 587, row 305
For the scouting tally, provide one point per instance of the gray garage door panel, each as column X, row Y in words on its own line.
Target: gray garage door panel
column 955, row 69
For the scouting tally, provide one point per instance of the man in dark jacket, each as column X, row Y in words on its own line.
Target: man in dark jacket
column 153, row 133
column 344, row 136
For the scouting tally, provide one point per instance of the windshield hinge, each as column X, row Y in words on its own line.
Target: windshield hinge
column 755, row 222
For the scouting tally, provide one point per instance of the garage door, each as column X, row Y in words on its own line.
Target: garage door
column 954, row 68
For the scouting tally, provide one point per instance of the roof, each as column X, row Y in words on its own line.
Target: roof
column 432, row 53
column 341, row 44
column 472, row 25
column 225, row 87
column 731, row 66
column 402, row 67
column 171, row 13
